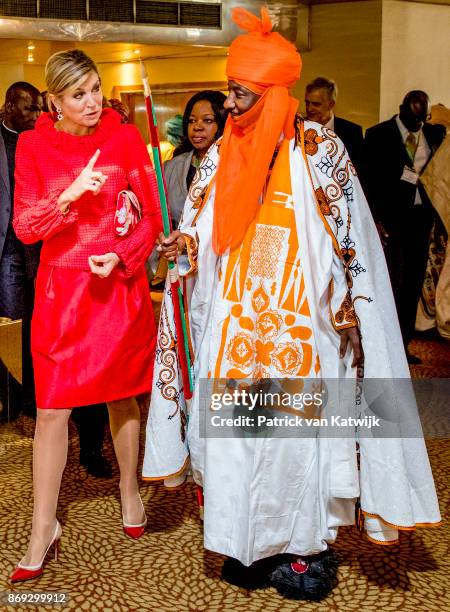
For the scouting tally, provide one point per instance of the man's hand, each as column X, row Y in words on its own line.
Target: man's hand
column 352, row 336
column 103, row 265
column 172, row 246
column 383, row 234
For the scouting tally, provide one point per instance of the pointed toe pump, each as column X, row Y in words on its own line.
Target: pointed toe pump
column 29, row 572
column 135, row 531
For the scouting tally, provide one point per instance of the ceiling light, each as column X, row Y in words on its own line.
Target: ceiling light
column 137, row 51
column 31, row 47
column 30, row 58
column 123, row 61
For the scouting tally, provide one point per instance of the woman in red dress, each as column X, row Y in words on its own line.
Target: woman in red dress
column 93, row 332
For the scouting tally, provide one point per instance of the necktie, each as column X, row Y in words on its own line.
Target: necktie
column 411, row 145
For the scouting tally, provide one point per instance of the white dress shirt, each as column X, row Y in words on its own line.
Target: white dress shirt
column 330, row 123
column 423, row 151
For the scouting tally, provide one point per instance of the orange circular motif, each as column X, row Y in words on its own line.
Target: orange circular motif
column 240, row 350
column 312, row 140
column 268, row 324
column 289, row 319
column 236, row 310
column 287, row 358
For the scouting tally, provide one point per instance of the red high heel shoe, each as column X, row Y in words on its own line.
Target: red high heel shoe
column 28, row 572
column 135, row 531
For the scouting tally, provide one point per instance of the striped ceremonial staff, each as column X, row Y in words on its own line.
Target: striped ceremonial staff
column 177, row 295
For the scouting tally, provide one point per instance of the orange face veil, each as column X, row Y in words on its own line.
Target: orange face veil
column 267, row 64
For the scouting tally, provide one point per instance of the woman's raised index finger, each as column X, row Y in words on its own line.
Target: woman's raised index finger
column 91, row 162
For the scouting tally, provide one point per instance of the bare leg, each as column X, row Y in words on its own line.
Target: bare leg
column 124, row 421
column 49, row 461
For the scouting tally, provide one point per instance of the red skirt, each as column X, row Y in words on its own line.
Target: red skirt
column 92, row 339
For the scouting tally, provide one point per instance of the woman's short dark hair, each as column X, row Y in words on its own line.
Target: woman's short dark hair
column 216, row 99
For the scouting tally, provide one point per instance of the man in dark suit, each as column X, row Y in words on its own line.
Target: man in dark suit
column 396, row 152
column 18, row 263
column 320, row 100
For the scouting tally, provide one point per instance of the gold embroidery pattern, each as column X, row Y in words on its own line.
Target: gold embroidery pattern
column 199, row 198
column 312, row 138
column 266, row 251
column 166, row 355
column 346, row 313
column 192, row 251
column 322, row 201
column 327, row 209
column 340, row 170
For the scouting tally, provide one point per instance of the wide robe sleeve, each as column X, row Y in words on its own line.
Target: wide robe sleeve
column 396, row 484
column 36, row 214
column 135, row 248
column 327, row 158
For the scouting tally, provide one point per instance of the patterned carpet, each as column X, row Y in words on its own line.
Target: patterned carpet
column 168, row 570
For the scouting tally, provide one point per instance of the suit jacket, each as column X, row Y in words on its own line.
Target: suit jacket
column 32, row 251
column 5, row 195
column 351, row 135
column 391, row 199
column 175, row 173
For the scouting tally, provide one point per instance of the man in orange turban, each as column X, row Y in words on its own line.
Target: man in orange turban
column 261, row 66
column 284, row 269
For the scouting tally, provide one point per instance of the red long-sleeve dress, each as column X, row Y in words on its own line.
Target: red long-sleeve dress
column 93, row 339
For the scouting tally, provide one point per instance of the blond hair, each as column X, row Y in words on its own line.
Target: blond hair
column 65, row 69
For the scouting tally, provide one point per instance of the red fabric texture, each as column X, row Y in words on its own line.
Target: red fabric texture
column 93, row 339
column 48, row 161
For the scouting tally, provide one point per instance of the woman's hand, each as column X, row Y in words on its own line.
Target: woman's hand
column 352, row 336
column 88, row 180
column 172, row 246
column 103, row 265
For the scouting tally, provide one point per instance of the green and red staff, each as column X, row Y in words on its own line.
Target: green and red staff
column 184, row 359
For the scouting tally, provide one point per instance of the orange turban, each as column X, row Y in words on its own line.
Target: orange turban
column 267, row 64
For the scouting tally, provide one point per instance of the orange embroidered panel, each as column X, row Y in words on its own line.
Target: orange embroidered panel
column 268, row 332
